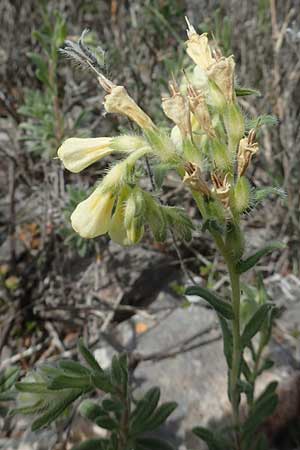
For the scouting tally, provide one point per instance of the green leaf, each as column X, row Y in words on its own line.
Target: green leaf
column 242, row 92
column 159, row 416
column 221, row 307
column 8, row 378
column 90, row 410
column 266, row 119
column 102, row 381
column 57, row 409
column 116, row 371
column 38, row 388
column 149, row 443
column 145, row 407
column 112, row 405
column 244, row 265
column 263, row 407
column 74, row 367
column 227, row 341
column 254, row 324
column 106, row 422
column 89, row 358
column 261, row 193
column 92, row 444
column 210, row 438
column 67, row 382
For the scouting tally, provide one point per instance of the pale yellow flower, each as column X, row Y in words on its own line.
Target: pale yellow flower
column 198, row 48
column 118, row 101
column 78, row 153
column 117, row 230
column 91, row 217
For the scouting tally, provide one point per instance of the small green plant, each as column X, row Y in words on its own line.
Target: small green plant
column 44, row 125
column 8, row 378
column 210, row 146
column 48, row 392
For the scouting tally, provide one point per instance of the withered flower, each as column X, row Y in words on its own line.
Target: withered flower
column 247, row 148
column 193, row 179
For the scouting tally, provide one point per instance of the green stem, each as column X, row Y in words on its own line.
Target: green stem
column 236, row 334
column 237, row 350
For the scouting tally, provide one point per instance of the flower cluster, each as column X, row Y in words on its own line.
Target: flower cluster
column 207, row 146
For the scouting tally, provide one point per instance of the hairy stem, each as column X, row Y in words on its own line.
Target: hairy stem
column 237, row 350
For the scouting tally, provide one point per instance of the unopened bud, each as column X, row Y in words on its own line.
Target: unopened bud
column 134, row 216
column 241, row 195
column 235, row 126
column 221, row 156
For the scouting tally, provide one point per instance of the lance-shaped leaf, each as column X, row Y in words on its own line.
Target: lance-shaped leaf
column 57, row 409
column 67, row 382
column 264, row 406
column 88, row 356
column 213, row 441
column 244, row 265
column 255, row 324
column 220, row 306
column 227, row 341
column 73, row 368
column 243, row 92
column 149, row 443
column 145, row 408
column 92, row 444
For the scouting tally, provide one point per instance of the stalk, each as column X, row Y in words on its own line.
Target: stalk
column 234, row 373
column 237, row 351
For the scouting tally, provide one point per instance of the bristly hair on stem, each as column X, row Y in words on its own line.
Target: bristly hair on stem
column 82, row 55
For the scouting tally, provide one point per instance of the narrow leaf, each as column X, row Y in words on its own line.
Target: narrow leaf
column 220, row 306
column 90, row 410
column 54, row 412
column 244, row 265
column 92, row 444
column 160, row 416
column 242, row 92
column 227, row 341
column 209, row 438
column 254, row 324
column 67, row 382
column 89, row 357
column 149, row 443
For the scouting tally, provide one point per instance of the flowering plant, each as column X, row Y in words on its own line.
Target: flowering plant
column 210, row 146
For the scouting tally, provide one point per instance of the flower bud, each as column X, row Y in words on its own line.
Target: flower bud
column 118, row 101
column 215, row 97
column 117, row 231
column 221, row 157
column 77, row 154
column 134, row 216
column 241, row 196
column 91, row 217
column 235, row 126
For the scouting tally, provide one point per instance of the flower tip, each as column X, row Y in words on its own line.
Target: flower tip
column 106, row 83
column 191, row 30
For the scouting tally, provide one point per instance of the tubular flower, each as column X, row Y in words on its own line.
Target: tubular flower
column 198, row 48
column 117, row 230
column 76, row 154
column 118, row 101
column 91, row 217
